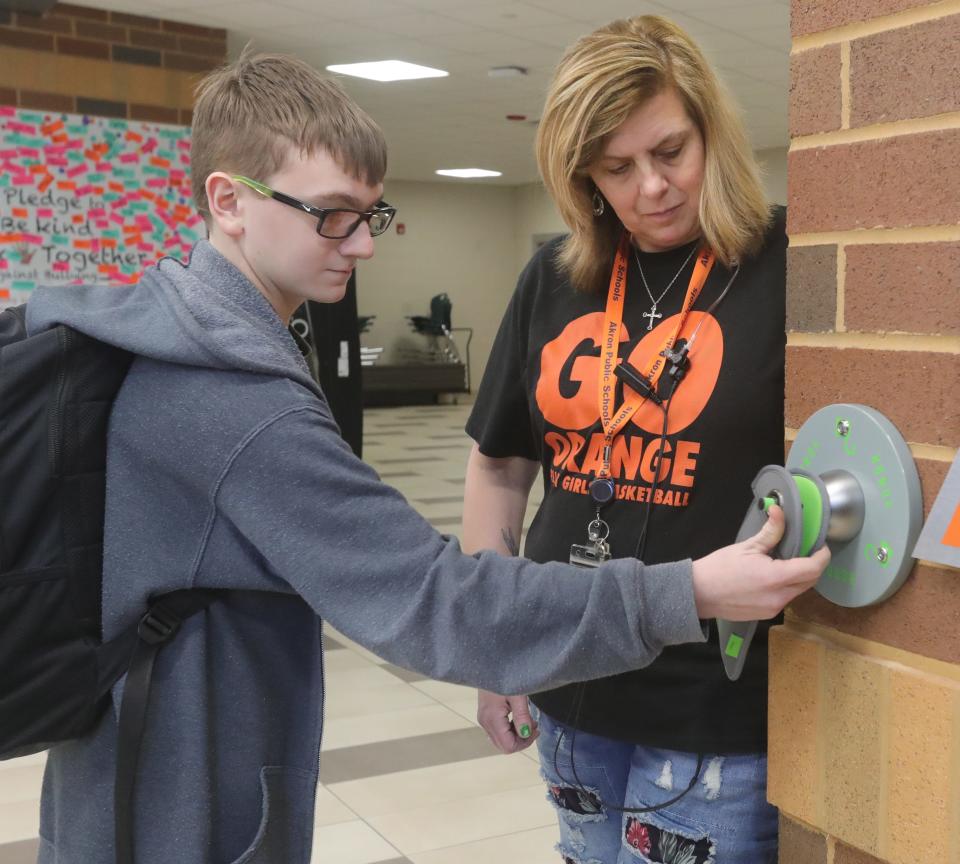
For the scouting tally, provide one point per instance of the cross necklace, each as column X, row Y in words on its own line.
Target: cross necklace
column 653, row 309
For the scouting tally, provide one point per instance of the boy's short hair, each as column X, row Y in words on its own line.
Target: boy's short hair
column 248, row 113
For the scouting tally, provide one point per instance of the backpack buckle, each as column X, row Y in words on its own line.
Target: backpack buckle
column 157, row 626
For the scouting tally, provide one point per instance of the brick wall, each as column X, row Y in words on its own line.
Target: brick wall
column 111, row 64
column 865, row 703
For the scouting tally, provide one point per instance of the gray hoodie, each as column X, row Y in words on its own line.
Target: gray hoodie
column 226, row 470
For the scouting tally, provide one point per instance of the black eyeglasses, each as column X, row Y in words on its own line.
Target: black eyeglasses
column 333, row 223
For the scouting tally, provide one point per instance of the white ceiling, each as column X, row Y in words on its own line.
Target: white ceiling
column 459, row 121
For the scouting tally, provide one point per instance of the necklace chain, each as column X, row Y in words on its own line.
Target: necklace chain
column 653, row 314
column 663, row 294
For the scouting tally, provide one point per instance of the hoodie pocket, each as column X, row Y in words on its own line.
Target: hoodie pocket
column 286, row 818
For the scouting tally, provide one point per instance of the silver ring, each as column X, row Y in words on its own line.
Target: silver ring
column 598, row 523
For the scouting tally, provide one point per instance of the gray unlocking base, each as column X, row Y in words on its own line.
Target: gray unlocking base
column 850, row 481
column 868, row 566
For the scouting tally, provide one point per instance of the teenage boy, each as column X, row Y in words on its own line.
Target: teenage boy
column 226, row 470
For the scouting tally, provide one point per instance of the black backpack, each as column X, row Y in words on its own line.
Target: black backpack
column 56, row 392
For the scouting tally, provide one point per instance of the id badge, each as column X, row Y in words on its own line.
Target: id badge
column 589, row 554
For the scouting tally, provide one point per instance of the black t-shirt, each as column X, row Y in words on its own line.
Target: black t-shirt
column 539, row 400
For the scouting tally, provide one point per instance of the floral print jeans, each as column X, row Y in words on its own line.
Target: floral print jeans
column 723, row 819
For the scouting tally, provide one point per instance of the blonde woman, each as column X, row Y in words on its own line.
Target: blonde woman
column 639, row 369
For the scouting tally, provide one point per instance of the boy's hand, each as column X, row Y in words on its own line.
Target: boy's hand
column 742, row 583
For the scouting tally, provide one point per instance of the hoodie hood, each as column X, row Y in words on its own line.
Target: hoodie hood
column 205, row 313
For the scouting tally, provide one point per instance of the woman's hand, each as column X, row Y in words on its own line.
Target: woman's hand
column 494, row 501
column 494, row 715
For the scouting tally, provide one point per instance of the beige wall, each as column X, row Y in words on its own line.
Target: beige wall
column 459, row 239
column 536, row 215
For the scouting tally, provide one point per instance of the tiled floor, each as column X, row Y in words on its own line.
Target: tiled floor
column 407, row 777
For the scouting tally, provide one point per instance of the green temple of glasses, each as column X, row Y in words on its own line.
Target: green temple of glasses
column 334, row 223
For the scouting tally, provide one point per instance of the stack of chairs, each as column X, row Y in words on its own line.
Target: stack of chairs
column 438, row 329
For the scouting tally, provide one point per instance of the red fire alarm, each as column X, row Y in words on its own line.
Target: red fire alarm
column 401, row 228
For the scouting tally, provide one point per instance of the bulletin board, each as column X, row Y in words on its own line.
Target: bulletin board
column 89, row 199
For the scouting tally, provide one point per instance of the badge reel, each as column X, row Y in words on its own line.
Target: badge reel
column 597, row 550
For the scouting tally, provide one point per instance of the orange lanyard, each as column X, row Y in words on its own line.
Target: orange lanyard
column 616, row 295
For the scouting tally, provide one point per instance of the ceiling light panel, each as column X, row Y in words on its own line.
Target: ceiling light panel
column 387, row 70
column 468, row 172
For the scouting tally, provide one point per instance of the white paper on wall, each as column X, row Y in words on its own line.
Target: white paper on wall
column 89, row 199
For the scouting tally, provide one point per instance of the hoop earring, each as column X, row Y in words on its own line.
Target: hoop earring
column 598, row 205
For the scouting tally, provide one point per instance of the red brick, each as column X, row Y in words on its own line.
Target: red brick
column 8, row 96
column 140, row 56
column 908, row 287
column 895, row 182
column 812, row 288
column 188, row 62
column 80, row 11
column 47, row 23
column 812, row 16
column 47, row 101
column 916, row 390
column 135, row 21
column 194, row 30
column 83, row 48
column 907, row 72
column 815, row 91
column 101, row 31
column 844, row 854
column 799, row 844
column 923, row 617
column 204, row 47
column 154, row 39
column 26, row 39
column 154, row 113
column 101, row 107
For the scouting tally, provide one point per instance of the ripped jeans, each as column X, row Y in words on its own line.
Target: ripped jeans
column 723, row 819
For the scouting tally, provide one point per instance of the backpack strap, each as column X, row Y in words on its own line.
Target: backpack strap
column 160, row 624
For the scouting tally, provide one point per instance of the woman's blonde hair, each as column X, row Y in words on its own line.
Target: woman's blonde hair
column 600, row 80
column 247, row 115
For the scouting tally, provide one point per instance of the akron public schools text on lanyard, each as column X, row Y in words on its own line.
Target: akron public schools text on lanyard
column 598, row 531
